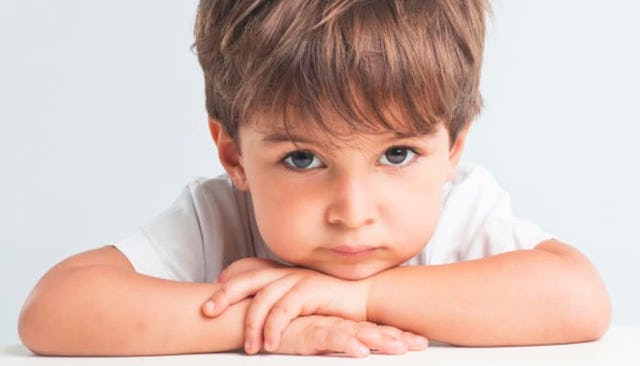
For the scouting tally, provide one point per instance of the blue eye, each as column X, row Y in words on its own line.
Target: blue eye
column 397, row 156
column 302, row 160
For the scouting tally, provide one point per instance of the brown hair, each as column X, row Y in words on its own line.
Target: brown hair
column 404, row 65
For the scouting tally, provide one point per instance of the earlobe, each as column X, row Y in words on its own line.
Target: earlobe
column 228, row 154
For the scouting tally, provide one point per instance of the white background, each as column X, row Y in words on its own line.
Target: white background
column 102, row 122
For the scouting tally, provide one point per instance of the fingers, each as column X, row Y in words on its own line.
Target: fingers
column 380, row 339
column 358, row 339
column 337, row 338
column 281, row 313
column 238, row 288
column 259, row 309
column 304, row 297
column 414, row 342
column 389, row 340
column 244, row 265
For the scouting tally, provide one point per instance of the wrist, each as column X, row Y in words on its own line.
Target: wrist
column 370, row 299
column 364, row 296
column 375, row 296
column 347, row 300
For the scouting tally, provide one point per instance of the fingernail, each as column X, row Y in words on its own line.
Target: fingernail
column 363, row 351
column 247, row 346
column 420, row 341
column 210, row 306
column 268, row 345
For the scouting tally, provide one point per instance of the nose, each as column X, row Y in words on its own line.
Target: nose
column 352, row 202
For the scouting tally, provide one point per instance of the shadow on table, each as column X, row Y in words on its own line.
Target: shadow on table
column 16, row 350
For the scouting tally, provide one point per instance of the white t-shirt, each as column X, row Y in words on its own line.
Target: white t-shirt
column 211, row 225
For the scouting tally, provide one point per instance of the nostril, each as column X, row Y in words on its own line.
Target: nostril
column 350, row 218
column 351, row 202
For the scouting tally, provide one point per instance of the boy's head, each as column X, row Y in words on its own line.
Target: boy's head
column 343, row 118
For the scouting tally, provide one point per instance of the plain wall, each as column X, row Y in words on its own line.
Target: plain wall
column 102, row 122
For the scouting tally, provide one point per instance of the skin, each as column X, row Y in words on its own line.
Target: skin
column 351, row 196
column 550, row 294
column 95, row 304
column 151, row 316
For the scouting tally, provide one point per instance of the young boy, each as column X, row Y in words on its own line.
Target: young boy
column 345, row 223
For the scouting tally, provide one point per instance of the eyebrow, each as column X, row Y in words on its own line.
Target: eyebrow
column 279, row 137
column 274, row 138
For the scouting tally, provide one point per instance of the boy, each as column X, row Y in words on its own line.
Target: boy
column 346, row 223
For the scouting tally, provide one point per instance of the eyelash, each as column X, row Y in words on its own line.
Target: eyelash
column 282, row 160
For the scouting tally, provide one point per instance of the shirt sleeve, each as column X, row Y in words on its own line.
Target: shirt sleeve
column 503, row 232
column 477, row 220
column 497, row 229
column 170, row 246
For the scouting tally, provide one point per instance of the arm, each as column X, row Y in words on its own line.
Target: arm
column 550, row 294
column 96, row 304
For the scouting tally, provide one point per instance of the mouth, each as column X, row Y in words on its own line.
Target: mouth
column 353, row 251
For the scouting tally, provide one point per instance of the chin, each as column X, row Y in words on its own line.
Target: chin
column 351, row 273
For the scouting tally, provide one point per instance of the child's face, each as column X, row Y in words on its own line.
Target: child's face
column 351, row 210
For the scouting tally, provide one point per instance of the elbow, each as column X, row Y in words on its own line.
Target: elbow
column 35, row 327
column 596, row 317
column 588, row 315
column 585, row 311
column 575, row 316
column 28, row 338
column 37, row 324
column 28, row 330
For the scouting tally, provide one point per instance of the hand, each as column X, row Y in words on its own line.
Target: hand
column 282, row 294
column 318, row 334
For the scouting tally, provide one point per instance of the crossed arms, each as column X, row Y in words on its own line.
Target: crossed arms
column 95, row 304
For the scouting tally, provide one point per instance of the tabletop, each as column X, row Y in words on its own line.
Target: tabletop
column 620, row 346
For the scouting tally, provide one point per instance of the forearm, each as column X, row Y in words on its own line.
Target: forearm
column 517, row 298
column 101, row 310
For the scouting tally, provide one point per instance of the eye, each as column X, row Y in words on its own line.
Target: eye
column 397, row 156
column 302, row 160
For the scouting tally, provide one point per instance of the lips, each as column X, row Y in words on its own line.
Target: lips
column 353, row 250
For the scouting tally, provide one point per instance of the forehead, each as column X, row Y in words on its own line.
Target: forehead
column 267, row 136
column 333, row 129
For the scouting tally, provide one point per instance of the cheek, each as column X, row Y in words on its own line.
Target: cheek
column 415, row 212
column 283, row 215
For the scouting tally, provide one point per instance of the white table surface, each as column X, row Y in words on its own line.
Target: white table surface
column 620, row 346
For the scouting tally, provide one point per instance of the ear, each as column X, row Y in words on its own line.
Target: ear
column 455, row 152
column 229, row 154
